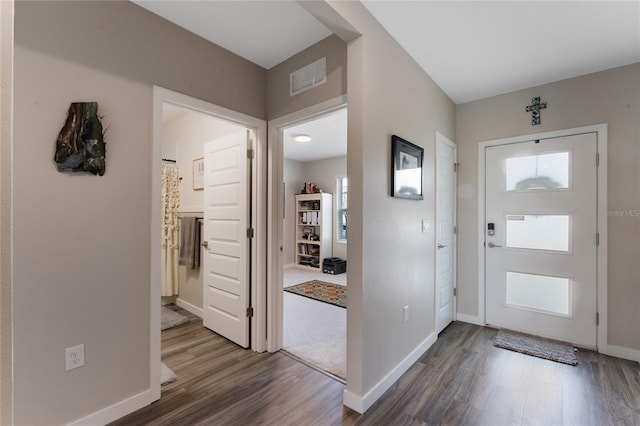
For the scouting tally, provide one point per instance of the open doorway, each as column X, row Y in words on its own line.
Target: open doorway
column 314, row 236
column 184, row 128
column 185, row 135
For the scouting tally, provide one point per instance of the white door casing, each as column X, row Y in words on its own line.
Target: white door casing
column 259, row 202
column 446, row 154
column 226, row 220
column 275, row 205
column 541, row 264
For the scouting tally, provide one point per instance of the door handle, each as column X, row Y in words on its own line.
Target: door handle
column 441, row 246
column 491, row 245
column 205, row 244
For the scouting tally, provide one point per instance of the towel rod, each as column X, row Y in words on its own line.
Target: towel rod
column 168, row 161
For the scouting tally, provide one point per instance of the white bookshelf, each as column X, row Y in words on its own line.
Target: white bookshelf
column 314, row 229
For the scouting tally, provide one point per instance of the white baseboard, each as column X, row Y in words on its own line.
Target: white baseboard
column 469, row 318
column 289, row 266
column 117, row 410
column 189, row 307
column 622, row 352
column 362, row 403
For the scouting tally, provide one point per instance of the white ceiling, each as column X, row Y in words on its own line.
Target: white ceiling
column 328, row 138
column 477, row 49
column 472, row 49
column 264, row 32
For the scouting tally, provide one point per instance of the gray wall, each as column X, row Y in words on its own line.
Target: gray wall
column 82, row 243
column 611, row 97
column 279, row 102
column 390, row 261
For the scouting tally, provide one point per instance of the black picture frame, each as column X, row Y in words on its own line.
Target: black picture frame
column 406, row 169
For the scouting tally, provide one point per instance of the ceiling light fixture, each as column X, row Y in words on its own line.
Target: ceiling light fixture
column 302, row 138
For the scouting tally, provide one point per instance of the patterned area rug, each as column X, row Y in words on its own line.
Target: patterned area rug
column 334, row 294
column 536, row 346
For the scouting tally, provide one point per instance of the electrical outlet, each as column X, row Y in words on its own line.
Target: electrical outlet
column 74, row 357
column 405, row 314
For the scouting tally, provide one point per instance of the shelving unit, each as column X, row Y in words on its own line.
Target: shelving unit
column 313, row 229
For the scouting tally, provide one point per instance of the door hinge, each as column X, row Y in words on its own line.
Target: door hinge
column 455, row 230
column 597, row 318
column 455, row 291
column 597, row 159
column 455, row 167
column 249, row 232
column 250, row 312
column 597, row 238
column 250, row 153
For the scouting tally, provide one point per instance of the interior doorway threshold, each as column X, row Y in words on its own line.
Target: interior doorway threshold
column 315, row 367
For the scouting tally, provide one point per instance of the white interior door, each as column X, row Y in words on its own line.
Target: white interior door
column 445, row 237
column 541, row 208
column 226, row 220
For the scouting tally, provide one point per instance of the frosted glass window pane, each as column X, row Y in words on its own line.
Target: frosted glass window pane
column 535, row 172
column 538, row 292
column 539, row 232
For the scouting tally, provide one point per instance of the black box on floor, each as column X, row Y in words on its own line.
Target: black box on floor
column 334, row 265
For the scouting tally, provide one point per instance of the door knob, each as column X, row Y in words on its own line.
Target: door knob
column 205, row 244
column 491, row 245
column 440, row 246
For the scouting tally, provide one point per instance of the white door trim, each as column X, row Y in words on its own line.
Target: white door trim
column 6, row 209
column 601, row 132
column 275, row 200
column 258, row 219
column 442, row 138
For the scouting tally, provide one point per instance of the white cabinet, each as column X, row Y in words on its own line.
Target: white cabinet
column 314, row 229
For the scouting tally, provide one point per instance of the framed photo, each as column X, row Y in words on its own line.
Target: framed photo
column 198, row 174
column 406, row 169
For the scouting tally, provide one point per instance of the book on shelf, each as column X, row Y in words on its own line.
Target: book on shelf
column 309, row 205
column 308, row 249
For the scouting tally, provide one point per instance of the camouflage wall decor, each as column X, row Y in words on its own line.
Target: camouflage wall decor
column 80, row 145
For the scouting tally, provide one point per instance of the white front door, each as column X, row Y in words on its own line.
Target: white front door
column 226, row 220
column 445, row 237
column 540, row 237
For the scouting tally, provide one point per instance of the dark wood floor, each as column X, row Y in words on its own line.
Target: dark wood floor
column 461, row 380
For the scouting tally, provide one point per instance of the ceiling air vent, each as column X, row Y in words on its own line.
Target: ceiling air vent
column 307, row 77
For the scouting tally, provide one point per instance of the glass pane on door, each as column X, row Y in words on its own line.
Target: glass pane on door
column 538, row 232
column 538, row 172
column 538, row 292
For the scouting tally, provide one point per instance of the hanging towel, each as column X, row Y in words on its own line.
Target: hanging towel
column 189, row 243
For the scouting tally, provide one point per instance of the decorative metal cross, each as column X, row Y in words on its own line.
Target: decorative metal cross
column 535, row 108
